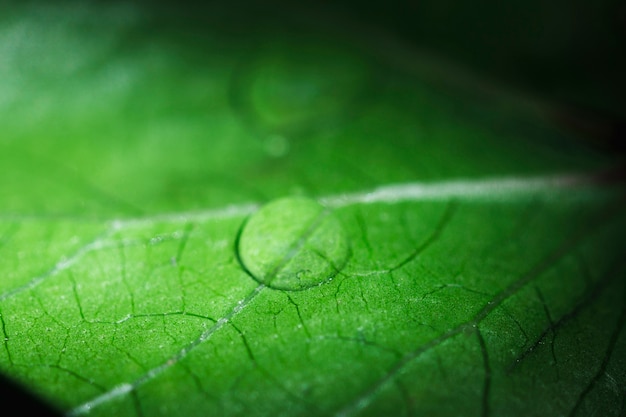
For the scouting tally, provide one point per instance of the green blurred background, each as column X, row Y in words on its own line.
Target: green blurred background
column 572, row 53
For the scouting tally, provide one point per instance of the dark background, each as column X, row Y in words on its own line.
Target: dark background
column 571, row 49
column 571, row 52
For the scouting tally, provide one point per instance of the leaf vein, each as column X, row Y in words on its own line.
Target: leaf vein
column 363, row 400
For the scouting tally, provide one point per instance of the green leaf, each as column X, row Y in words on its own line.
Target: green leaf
column 467, row 256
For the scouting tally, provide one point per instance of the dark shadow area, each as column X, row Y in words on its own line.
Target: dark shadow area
column 565, row 52
column 18, row 401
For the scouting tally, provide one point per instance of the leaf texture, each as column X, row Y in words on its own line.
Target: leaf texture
column 486, row 265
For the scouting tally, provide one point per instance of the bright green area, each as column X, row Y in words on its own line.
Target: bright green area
column 135, row 145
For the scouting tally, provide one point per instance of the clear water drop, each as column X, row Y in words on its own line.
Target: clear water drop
column 293, row 244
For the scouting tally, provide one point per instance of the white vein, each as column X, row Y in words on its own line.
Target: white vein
column 226, row 212
column 117, row 391
column 103, row 240
column 125, row 388
column 496, row 189
column 64, row 263
column 491, row 189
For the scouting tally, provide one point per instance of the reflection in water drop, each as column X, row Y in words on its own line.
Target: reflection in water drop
column 292, row 244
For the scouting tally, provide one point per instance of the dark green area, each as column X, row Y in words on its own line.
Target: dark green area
column 569, row 50
column 565, row 52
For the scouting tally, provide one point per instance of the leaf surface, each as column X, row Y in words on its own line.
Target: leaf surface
column 485, row 273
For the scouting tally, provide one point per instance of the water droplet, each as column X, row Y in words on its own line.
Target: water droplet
column 286, row 87
column 276, row 145
column 292, row 244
